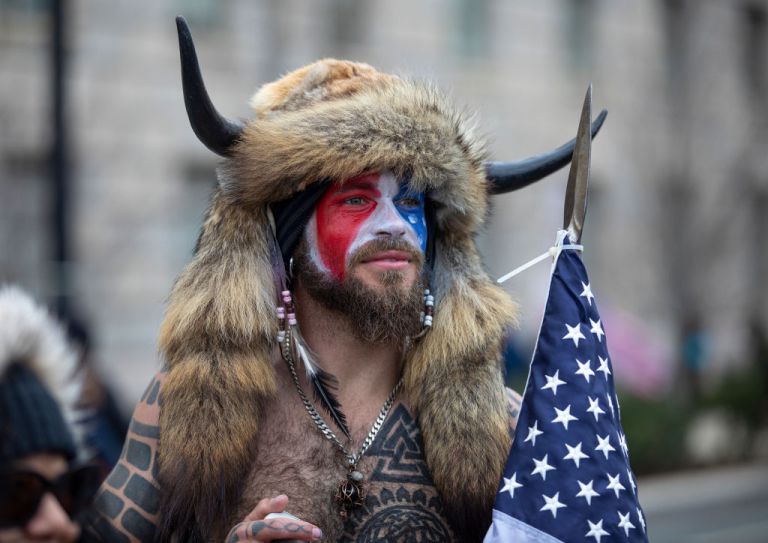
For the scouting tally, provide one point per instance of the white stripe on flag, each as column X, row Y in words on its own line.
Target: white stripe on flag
column 506, row 529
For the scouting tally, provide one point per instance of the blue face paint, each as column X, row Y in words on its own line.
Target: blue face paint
column 410, row 206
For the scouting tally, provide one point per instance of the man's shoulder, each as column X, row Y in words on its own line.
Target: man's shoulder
column 514, row 403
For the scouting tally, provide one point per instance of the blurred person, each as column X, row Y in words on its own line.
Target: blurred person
column 105, row 425
column 42, row 486
column 334, row 347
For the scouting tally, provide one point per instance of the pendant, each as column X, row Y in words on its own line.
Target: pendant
column 350, row 493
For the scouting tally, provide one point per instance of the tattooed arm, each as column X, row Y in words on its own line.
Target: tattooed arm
column 514, row 402
column 127, row 503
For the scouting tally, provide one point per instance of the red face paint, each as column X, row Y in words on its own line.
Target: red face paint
column 339, row 215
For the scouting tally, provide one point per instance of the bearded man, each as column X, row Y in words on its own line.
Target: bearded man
column 333, row 348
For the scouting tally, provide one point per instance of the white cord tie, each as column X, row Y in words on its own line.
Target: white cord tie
column 553, row 252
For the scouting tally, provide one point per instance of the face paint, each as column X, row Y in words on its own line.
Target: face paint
column 410, row 205
column 363, row 209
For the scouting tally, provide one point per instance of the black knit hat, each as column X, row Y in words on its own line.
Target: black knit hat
column 30, row 419
column 39, row 387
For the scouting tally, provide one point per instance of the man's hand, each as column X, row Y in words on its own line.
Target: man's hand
column 256, row 528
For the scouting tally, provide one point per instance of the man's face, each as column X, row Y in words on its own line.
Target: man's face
column 351, row 221
column 362, row 255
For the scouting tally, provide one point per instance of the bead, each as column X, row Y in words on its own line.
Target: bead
column 355, row 476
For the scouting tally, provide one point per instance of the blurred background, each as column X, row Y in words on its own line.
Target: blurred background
column 103, row 187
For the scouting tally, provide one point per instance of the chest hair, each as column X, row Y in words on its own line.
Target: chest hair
column 294, row 458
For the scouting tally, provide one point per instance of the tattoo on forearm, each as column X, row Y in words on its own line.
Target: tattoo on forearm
column 151, row 393
column 144, row 430
column 129, row 500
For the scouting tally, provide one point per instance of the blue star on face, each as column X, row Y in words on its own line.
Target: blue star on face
column 410, row 206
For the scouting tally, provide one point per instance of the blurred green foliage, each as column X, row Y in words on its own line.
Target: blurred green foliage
column 656, row 429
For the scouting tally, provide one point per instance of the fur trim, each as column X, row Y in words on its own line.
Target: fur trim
column 30, row 335
column 333, row 120
column 217, row 338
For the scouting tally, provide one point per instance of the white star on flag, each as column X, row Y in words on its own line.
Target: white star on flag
column 615, row 484
column 564, row 416
column 625, row 523
column 587, row 492
column 510, row 484
column 597, row 329
column 552, row 504
column 575, row 454
column 574, row 333
column 542, row 467
column 587, row 292
column 594, row 407
column 596, row 530
column 533, row 433
column 603, row 445
column 553, row 381
column 604, row 368
column 585, row 369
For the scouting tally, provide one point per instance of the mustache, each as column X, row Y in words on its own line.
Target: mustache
column 372, row 248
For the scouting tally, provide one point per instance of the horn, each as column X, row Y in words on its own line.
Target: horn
column 509, row 176
column 216, row 132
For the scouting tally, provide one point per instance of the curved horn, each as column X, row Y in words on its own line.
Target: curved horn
column 216, row 132
column 509, row 176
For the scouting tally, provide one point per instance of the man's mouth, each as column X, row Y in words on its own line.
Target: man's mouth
column 390, row 259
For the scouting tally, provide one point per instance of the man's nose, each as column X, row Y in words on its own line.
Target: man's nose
column 52, row 523
column 391, row 223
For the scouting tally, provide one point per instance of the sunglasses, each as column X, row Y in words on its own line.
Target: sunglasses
column 22, row 491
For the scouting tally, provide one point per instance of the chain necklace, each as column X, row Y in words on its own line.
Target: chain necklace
column 351, row 492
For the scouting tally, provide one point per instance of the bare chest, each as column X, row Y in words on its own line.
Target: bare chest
column 401, row 501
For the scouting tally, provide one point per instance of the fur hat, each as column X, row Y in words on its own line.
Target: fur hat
column 38, row 388
column 331, row 120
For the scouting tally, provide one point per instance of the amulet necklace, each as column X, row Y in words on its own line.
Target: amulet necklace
column 350, row 492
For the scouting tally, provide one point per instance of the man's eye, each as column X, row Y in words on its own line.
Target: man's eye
column 411, row 203
column 355, row 201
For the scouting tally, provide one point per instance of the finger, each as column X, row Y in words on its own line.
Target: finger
column 268, row 530
column 267, row 506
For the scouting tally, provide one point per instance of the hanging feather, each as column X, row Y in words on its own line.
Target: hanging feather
column 323, row 384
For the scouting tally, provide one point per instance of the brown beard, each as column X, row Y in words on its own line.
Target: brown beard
column 391, row 315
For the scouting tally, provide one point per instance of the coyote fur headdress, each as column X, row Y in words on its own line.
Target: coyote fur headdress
column 333, row 120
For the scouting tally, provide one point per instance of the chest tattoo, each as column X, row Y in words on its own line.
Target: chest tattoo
column 402, row 504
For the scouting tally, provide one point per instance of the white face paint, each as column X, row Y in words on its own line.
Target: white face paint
column 363, row 209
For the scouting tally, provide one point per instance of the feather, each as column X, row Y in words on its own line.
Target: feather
column 323, row 384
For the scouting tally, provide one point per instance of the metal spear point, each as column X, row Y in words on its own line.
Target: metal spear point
column 578, row 178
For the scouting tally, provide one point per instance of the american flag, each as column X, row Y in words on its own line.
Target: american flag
column 568, row 477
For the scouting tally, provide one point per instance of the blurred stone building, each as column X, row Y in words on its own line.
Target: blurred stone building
column 679, row 194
